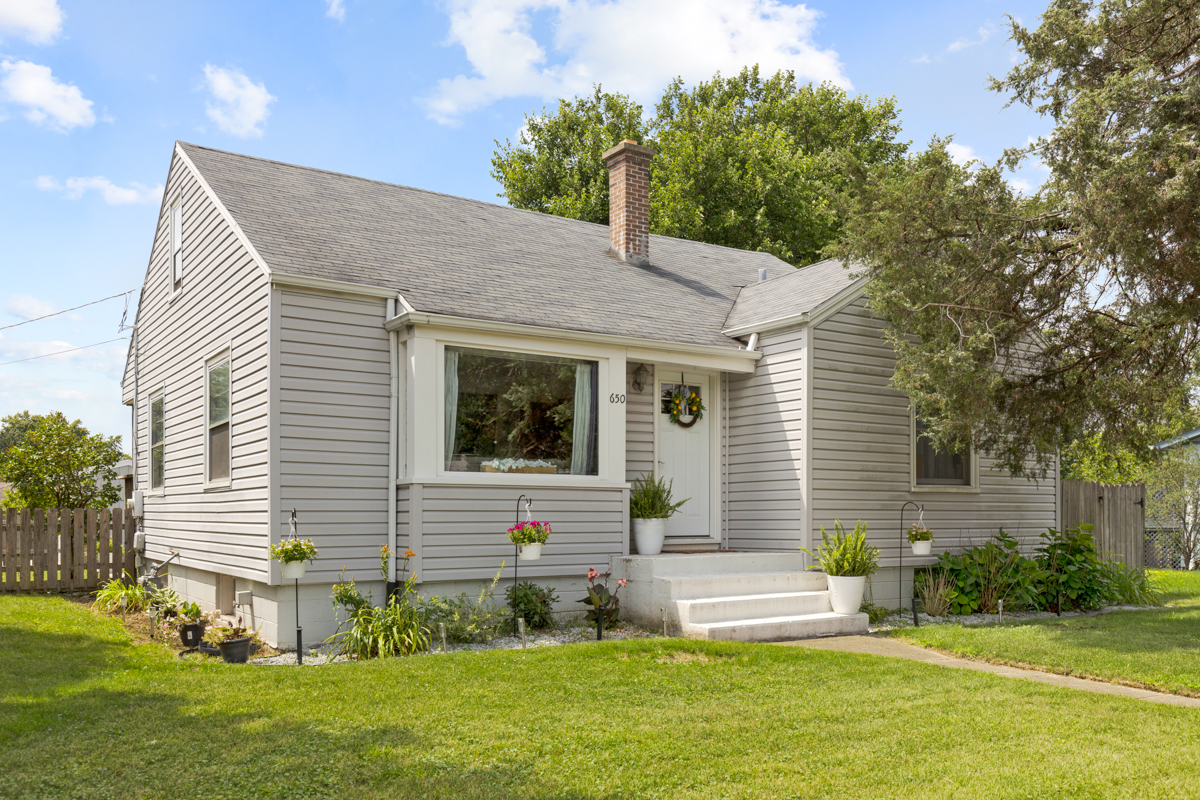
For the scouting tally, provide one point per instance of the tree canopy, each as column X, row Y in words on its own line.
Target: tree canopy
column 59, row 464
column 1024, row 321
column 743, row 161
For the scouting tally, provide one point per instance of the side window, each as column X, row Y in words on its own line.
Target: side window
column 176, row 224
column 156, row 442
column 933, row 467
column 217, row 420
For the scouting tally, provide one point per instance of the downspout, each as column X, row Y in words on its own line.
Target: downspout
column 393, row 435
column 753, row 343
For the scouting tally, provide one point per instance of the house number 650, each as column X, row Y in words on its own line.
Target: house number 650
column 616, row 398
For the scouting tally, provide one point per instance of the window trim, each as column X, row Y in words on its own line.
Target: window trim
column 602, row 382
column 175, row 243
column 225, row 353
column 155, row 395
column 971, row 488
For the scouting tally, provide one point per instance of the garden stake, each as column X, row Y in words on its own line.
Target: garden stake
column 903, row 538
column 1000, row 606
column 153, row 617
column 663, row 611
column 123, row 601
column 600, row 609
column 1058, row 602
column 299, row 632
column 442, row 629
column 916, row 622
column 521, row 628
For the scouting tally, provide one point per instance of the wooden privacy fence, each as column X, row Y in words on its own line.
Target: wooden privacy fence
column 64, row 549
column 1118, row 512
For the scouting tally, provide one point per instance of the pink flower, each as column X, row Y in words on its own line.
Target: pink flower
column 592, row 574
column 622, row 582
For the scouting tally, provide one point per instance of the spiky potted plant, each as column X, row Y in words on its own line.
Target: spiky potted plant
column 848, row 561
column 529, row 536
column 293, row 556
column 650, row 506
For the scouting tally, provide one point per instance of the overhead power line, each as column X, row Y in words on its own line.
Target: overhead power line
column 65, row 310
column 61, row 352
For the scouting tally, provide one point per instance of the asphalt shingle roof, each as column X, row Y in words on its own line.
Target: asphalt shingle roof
column 461, row 257
column 797, row 292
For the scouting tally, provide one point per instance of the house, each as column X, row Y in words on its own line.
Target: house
column 400, row 366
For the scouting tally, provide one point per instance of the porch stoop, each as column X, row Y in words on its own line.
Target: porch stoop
column 733, row 596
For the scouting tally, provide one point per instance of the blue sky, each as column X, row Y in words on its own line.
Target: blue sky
column 93, row 94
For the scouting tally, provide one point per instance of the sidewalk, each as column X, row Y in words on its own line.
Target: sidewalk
column 883, row 646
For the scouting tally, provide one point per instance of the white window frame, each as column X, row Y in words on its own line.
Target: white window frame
column 602, row 379
column 222, row 355
column 159, row 394
column 973, row 469
column 175, row 242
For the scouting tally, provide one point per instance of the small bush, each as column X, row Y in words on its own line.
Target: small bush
column 935, row 589
column 467, row 621
column 395, row 629
column 108, row 598
column 534, row 603
column 874, row 613
column 1129, row 586
column 1072, row 569
column 981, row 576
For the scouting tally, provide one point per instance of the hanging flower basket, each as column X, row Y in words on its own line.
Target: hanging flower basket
column 685, row 403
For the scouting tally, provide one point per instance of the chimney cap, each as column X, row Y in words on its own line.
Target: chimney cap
column 628, row 146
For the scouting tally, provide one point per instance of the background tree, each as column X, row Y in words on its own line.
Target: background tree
column 1173, row 501
column 1023, row 321
column 14, row 427
column 742, row 161
column 61, row 465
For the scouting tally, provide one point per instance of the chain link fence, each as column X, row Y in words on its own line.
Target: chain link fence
column 1164, row 548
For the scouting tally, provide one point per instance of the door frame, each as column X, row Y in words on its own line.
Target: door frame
column 715, row 412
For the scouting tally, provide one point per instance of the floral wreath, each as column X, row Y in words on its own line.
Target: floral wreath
column 684, row 403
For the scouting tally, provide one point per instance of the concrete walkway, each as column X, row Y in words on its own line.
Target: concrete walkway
column 883, row 646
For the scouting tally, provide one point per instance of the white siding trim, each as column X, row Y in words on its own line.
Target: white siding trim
column 274, row 496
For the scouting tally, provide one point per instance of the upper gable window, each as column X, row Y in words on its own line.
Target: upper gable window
column 176, row 225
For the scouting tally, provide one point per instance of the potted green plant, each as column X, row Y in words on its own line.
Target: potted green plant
column 529, row 536
column 233, row 641
column 192, row 622
column 921, row 539
column 650, row 506
column 293, row 556
column 848, row 561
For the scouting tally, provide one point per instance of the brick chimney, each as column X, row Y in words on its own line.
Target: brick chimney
column 629, row 201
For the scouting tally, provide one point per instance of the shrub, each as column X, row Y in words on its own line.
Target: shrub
column 845, row 555
column 985, row 574
column 651, row 497
column 935, row 590
column 395, row 629
column 108, row 598
column 1129, row 586
column 467, row 621
column 534, row 603
column 1072, row 569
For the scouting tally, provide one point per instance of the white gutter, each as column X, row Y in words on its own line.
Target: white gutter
column 393, row 440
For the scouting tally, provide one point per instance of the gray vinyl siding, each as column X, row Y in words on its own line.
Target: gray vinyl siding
column 334, row 404
column 224, row 302
column 861, row 451
column 403, row 504
column 639, row 425
column 764, row 449
column 463, row 531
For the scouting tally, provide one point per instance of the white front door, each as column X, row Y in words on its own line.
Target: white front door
column 683, row 456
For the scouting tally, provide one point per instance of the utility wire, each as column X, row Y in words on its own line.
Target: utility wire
column 61, row 352
column 65, row 310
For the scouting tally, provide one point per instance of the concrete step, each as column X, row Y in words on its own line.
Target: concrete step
column 777, row 629
column 716, row 563
column 688, row 587
column 752, row 606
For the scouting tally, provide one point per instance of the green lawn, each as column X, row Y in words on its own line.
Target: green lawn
column 1157, row 649
column 84, row 713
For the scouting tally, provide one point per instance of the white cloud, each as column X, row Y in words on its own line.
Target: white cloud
column 960, row 153
column 239, row 106
column 922, row 60
column 631, row 46
column 984, row 33
column 47, row 101
column 26, row 307
column 74, row 188
column 36, row 21
column 1022, row 187
column 105, row 359
column 337, row 10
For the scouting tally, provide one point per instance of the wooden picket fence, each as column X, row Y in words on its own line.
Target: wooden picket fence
column 1118, row 512
column 64, row 549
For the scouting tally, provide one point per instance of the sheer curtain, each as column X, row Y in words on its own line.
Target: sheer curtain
column 583, row 442
column 451, row 401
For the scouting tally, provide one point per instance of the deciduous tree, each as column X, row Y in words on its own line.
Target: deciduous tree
column 60, row 464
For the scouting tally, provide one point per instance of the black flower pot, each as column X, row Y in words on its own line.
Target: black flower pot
column 190, row 633
column 235, row 651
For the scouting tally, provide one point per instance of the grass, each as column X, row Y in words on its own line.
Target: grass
column 87, row 713
column 1154, row 649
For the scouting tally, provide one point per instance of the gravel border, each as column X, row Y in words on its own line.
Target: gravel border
column 899, row 620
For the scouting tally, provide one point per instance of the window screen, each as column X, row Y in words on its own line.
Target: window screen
column 937, row 468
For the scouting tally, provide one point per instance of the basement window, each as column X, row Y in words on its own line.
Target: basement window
column 933, row 468
column 519, row 413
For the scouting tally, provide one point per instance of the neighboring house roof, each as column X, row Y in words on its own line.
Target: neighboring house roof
column 798, row 292
column 1191, row 437
column 466, row 258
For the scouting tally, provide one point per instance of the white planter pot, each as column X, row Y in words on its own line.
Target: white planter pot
column 922, row 548
column 293, row 570
column 648, row 535
column 529, row 552
column 846, row 594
